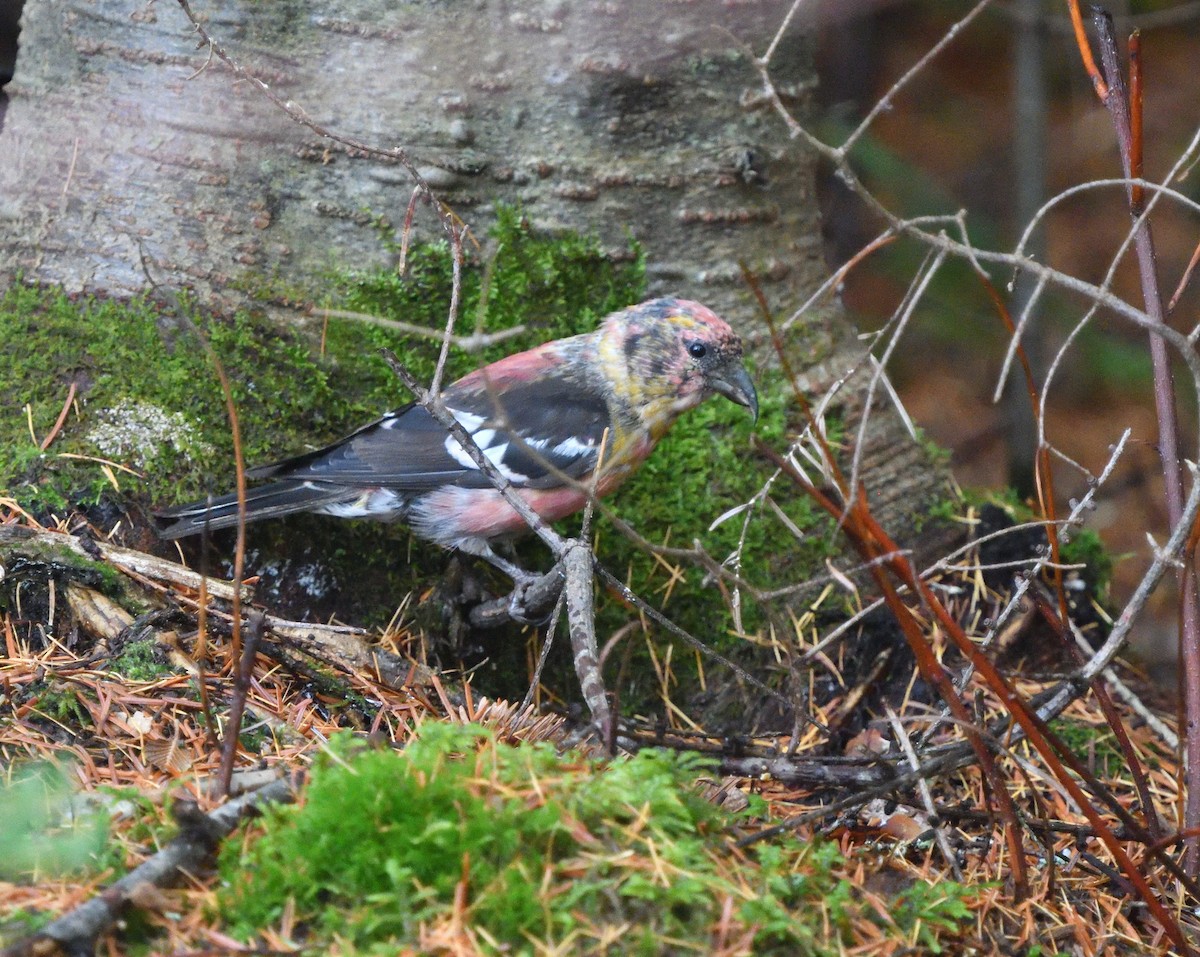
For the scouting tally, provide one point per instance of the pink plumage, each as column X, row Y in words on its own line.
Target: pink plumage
column 540, row 416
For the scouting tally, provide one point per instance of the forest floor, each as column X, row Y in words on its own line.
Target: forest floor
column 130, row 713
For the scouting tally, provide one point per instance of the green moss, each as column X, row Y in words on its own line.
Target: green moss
column 145, row 820
column 1084, row 546
column 1087, row 548
column 937, row 455
column 141, row 661
column 44, row 561
column 149, row 399
column 42, row 831
column 60, row 703
column 20, row 922
column 544, row 851
column 1094, row 744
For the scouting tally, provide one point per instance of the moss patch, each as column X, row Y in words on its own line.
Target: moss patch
column 542, row 852
column 43, row 831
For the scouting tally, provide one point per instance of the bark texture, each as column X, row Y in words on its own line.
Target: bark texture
column 613, row 118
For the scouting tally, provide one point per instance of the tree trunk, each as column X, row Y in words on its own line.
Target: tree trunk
column 609, row 118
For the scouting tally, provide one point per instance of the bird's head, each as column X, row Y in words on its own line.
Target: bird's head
column 674, row 353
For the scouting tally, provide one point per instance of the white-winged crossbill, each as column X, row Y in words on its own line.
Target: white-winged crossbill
column 540, row 416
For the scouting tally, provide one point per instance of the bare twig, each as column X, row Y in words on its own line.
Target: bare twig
column 1126, row 120
column 914, row 764
column 472, row 343
column 241, row 688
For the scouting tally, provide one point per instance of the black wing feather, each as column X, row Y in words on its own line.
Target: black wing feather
column 407, row 449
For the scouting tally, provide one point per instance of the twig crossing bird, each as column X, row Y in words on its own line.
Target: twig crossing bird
column 556, row 421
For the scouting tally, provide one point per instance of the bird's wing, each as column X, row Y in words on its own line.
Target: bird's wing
column 533, row 432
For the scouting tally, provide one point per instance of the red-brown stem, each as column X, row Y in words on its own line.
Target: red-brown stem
column 927, row 661
column 1043, row 470
column 1085, row 50
column 1116, row 725
column 62, row 417
column 1168, row 440
column 1185, row 279
column 1137, row 200
column 243, row 672
column 872, row 541
column 200, row 652
column 239, row 465
column 1040, row 736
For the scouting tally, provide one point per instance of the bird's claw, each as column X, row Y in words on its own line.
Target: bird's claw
column 518, row 600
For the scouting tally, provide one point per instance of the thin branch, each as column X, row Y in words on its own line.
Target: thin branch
column 475, row 342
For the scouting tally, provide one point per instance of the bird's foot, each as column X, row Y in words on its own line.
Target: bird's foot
column 527, row 602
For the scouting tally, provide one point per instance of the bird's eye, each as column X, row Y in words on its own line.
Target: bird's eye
column 697, row 350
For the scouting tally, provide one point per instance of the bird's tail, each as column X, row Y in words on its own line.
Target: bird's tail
column 266, row 501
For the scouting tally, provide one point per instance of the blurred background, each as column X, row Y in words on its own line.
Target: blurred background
column 1004, row 119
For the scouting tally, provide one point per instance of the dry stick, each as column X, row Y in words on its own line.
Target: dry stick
column 868, row 543
column 925, row 277
column 62, row 417
column 1046, row 742
column 76, row 931
column 456, row 259
column 885, row 102
column 241, row 689
column 1118, row 105
column 1064, row 629
column 1099, row 295
column 235, row 432
column 472, row 343
column 547, row 644
column 200, row 652
column 1062, row 622
column 1043, row 472
column 1159, row 189
column 914, row 763
column 1119, row 688
column 581, row 620
column 581, row 615
column 662, row 620
column 936, row 675
column 1184, row 280
column 944, row 760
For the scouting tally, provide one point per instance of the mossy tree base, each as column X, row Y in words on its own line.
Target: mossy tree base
column 148, row 428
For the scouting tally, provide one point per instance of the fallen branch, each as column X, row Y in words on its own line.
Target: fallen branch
column 537, row 601
column 351, row 649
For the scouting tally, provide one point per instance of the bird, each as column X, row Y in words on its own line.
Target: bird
column 565, row 420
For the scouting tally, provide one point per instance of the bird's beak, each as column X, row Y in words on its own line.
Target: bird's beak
column 734, row 383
